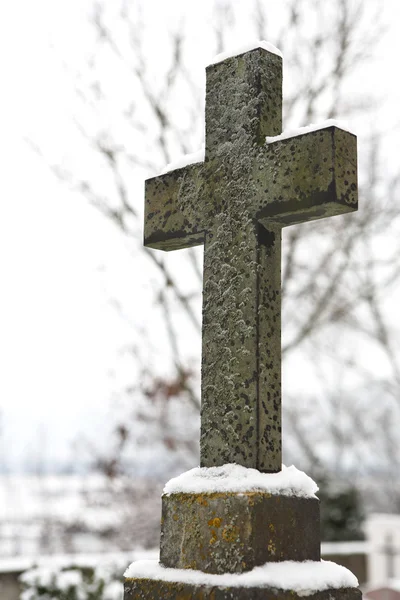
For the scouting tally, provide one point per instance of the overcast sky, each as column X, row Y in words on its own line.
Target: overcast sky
column 59, row 337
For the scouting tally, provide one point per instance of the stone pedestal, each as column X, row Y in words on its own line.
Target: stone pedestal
column 233, row 533
column 212, row 542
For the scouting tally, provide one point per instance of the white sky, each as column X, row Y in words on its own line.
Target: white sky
column 59, row 337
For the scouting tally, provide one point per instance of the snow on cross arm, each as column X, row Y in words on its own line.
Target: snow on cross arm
column 235, row 478
column 197, row 157
column 305, row 578
column 184, row 161
column 307, row 129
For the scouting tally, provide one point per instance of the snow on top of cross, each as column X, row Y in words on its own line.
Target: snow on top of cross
column 305, row 578
column 246, row 48
column 235, row 478
column 307, row 129
column 184, row 161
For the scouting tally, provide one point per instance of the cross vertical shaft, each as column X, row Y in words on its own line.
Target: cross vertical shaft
column 241, row 362
column 240, row 415
column 269, row 350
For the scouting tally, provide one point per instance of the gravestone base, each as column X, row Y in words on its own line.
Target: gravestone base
column 151, row 589
column 233, row 532
column 239, row 545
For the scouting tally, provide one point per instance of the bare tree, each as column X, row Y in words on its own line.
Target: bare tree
column 337, row 275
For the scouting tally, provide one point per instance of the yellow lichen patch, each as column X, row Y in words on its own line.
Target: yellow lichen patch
column 214, row 537
column 202, row 501
column 271, row 527
column 216, row 522
column 175, row 517
column 230, row 533
column 184, row 596
column 271, row 547
column 203, row 498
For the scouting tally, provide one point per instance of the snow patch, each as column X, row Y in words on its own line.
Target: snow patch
column 73, row 583
column 307, row 129
column 62, row 561
column 345, row 548
column 305, row 578
column 378, row 520
column 235, row 478
column 383, row 584
column 184, row 161
column 391, row 584
column 246, row 48
column 197, row 157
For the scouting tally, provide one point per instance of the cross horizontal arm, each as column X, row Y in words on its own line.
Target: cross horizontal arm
column 307, row 177
column 172, row 219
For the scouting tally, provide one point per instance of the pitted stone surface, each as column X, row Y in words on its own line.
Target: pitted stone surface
column 150, row 589
column 233, row 533
column 236, row 203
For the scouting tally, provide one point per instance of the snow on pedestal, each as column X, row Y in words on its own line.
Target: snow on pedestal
column 304, row 578
column 239, row 518
column 235, row 478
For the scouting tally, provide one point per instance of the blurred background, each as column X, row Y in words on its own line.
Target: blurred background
column 100, row 337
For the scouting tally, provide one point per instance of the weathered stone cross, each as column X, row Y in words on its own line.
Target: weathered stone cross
column 236, row 203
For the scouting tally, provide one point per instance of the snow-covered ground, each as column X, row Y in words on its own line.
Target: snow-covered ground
column 75, row 514
column 59, row 561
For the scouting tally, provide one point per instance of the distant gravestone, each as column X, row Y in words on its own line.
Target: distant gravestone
column 390, row 552
column 236, row 203
column 383, row 535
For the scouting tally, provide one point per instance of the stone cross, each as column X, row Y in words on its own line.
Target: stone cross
column 236, row 203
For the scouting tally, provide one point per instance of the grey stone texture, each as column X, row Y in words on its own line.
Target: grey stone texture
column 233, row 533
column 236, row 204
column 148, row 589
